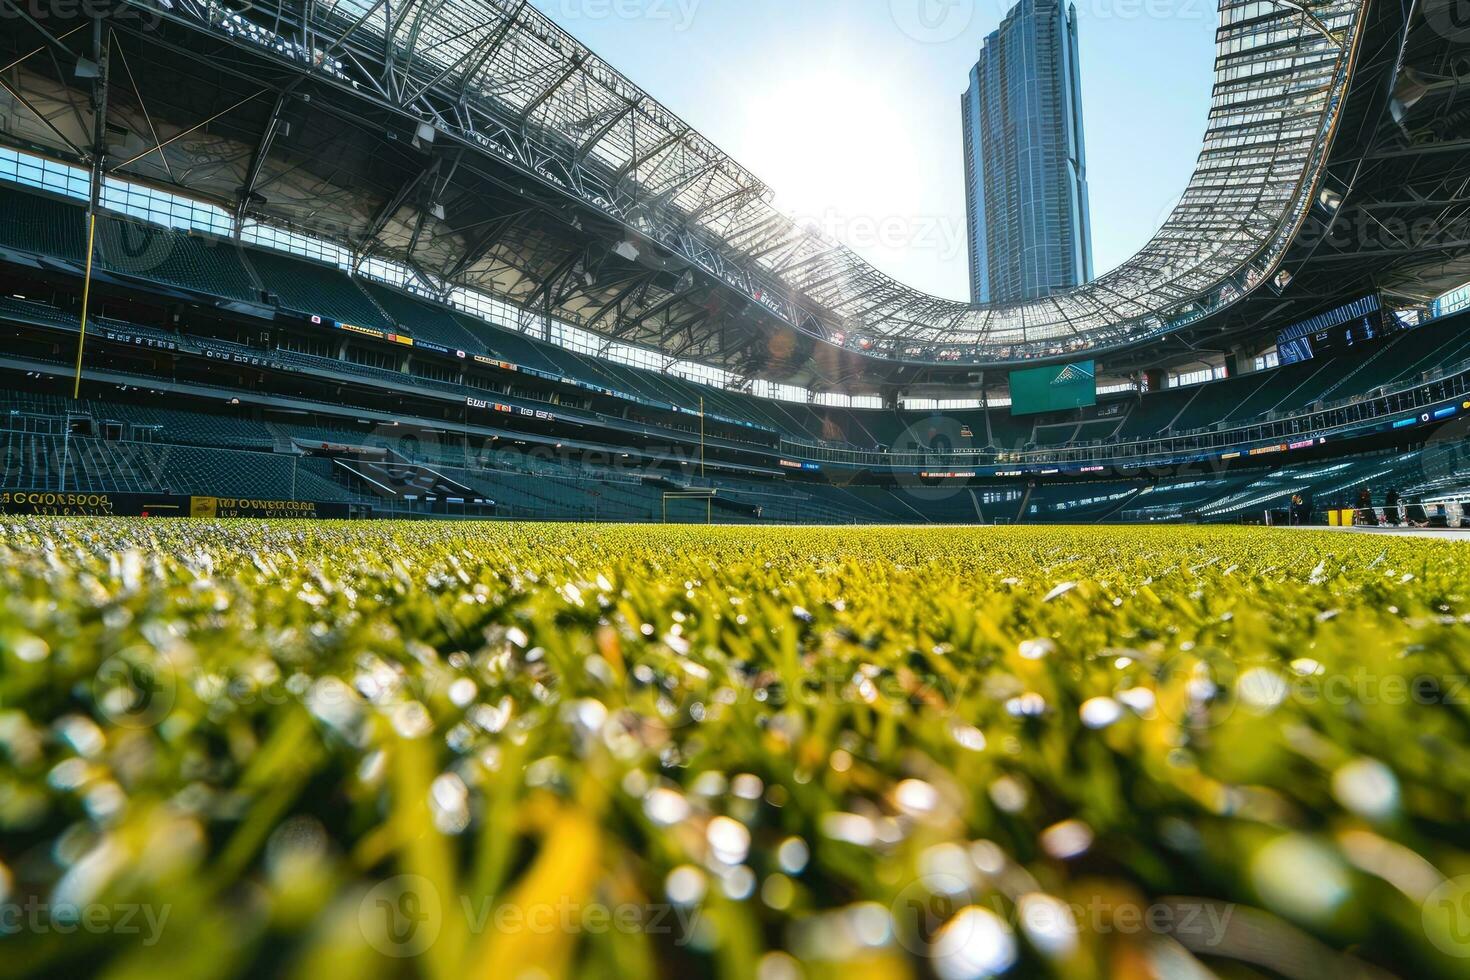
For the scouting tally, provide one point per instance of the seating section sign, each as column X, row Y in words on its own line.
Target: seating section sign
column 58, row 504
column 53, row 503
column 209, row 507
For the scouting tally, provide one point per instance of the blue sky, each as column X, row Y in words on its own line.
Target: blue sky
column 849, row 109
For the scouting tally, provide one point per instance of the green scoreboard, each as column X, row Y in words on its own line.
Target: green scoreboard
column 1053, row 389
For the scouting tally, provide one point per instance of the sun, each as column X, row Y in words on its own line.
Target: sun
column 816, row 134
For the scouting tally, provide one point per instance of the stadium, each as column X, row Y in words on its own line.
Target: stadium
column 603, row 638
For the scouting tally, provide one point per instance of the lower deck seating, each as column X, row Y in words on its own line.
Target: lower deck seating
column 42, row 450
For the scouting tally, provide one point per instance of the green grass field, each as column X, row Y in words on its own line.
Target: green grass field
column 514, row 751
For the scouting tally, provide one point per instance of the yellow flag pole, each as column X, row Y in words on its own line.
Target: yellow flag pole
column 76, row 391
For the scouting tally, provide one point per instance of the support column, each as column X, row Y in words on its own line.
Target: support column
column 101, row 42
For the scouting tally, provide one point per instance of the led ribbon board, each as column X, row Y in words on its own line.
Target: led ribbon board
column 1054, row 389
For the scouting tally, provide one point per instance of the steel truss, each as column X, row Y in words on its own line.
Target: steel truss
column 501, row 76
column 480, row 146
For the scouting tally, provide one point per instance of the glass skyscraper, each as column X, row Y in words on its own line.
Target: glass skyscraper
column 1025, row 159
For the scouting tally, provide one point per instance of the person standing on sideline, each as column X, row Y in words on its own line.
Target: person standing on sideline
column 1391, row 513
column 1366, row 515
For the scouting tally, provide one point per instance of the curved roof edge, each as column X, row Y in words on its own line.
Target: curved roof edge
column 529, row 93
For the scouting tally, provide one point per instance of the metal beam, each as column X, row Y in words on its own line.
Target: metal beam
column 493, row 47
column 51, row 39
column 638, row 282
column 81, row 153
column 667, row 304
column 489, row 43
column 636, row 161
column 261, row 152
column 487, row 240
column 590, row 143
column 540, row 100
column 191, row 130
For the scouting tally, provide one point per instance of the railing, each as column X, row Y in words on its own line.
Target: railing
column 1314, row 421
column 1433, row 387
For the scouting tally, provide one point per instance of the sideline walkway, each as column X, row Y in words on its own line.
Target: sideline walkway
column 1396, row 532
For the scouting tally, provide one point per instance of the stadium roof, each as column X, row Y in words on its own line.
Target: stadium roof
column 480, row 145
column 1280, row 74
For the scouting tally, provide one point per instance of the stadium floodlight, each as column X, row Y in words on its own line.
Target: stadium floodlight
column 627, row 250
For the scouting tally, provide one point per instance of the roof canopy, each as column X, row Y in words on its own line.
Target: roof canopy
column 1280, row 74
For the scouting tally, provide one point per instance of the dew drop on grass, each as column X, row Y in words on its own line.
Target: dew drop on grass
column 779, row 966
column 1140, row 700
column 946, row 868
column 1049, row 925
column 709, row 784
column 793, row 855
column 1368, row 788
column 586, row 716
column 104, row 801
column 850, row 828
column 685, row 885
column 1066, row 840
column 1301, row 878
column 778, row 892
column 1029, row 705
column 450, row 801
column 412, row 720
column 916, row 797
column 1009, row 794
column 1038, row 649
column 968, row 737
column 1262, row 688
column 974, row 945
column 31, row 649
column 82, row 734
column 665, row 807
column 729, row 840
column 462, row 692
column 738, row 883
column 748, row 786
column 1100, row 713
